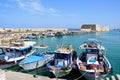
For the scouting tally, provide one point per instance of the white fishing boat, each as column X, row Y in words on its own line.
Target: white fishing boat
column 50, row 34
column 25, row 39
column 12, row 52
column 37, row 60
column 92, row 63
column 32, row 36
column 62, row 63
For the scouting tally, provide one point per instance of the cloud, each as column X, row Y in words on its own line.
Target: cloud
column 52, row 10
column 36, row 7
column 22, row 5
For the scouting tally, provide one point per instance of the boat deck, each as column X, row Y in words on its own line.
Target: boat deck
column 32, row 58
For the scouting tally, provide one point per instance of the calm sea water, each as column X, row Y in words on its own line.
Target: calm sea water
column 111, row 40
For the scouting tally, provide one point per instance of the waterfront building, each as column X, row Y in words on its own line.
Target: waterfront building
column 93, row 27
column 105, row 28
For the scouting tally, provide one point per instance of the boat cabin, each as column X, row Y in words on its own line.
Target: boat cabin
column 62, row 60
column 7, row 52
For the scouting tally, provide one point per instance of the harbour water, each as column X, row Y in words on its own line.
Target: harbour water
column 111, row 40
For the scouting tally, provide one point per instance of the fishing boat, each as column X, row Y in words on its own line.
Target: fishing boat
column 32, row 36
column 92, row 63
column 38, row 59
column 25, row 39
column 59, row 33
column 62, row 63
column 50, row 34
column 12, row 52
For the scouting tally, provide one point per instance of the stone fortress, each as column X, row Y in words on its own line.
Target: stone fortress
column 94, row 27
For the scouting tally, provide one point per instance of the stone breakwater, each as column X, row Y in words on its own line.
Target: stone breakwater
column 3, row 30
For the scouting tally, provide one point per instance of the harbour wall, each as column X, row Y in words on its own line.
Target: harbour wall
column 31, row 29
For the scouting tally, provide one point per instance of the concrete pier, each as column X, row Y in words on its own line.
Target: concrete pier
column 2, row 75
column 10, row 75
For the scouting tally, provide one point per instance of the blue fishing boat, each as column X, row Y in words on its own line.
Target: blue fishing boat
column 92, row 63
column 11, row 53
column 37, row 60
column 62, row 63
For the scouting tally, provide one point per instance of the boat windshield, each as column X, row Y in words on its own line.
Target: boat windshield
column 92, row 50
column 92, row 42
column 62, row 56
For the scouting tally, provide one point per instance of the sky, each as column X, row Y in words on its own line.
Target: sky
column 59, row 13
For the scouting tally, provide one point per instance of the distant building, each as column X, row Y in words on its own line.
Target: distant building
column 105, row 28
column 93, row 27
column 2, row 30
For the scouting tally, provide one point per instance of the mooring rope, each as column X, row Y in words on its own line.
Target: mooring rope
column 81, row 76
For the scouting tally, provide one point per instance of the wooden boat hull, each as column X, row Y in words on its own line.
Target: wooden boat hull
column 61, row 73
column 92, row 63
column 98, row 76
column 63, row 61
column 8, row 64
column 92, row 76
column 36, row 64
column 32, row 65
column 13, row 61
